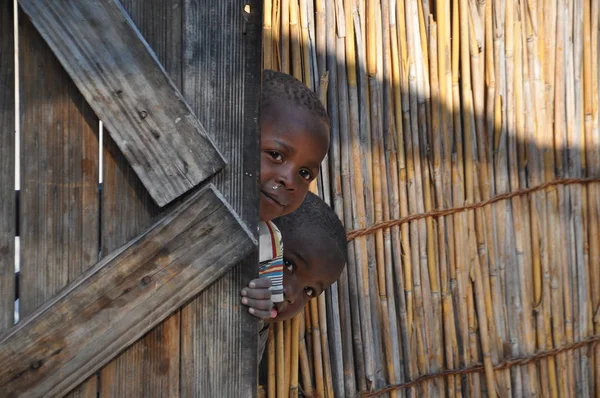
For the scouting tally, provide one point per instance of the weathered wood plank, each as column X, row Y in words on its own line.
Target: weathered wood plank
column 59, row 175
column 122, row 297
column 129, row 90
column 150, row 367
column 221, row 78
column 59, row 178
column 7, row 167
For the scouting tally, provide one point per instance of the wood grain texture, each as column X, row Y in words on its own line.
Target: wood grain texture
column 7, row 167
column 122, row 297
column 121, row 78
column 59, row 175
column 221, row 81
column 59, row 178
column 150, row 367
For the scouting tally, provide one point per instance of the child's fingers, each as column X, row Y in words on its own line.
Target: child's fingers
column 260, row 313
column 262, row 305
column 260, row 283
column 259, row 294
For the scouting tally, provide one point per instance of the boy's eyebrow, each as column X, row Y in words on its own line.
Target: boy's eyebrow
column 301, row 257
column 285, row 146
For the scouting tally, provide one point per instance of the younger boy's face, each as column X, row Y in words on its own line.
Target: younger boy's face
column 308, row 271
column 293, row 144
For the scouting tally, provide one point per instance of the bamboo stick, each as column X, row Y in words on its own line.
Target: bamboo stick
column 275, row 33
column 280, row 360
column 272, row 371
column 593, row 165
column 460, row 274
column 401, row 96
column 344, row 359
column 295, row 340
column 287, row 347
column 328, row 382
column 358, row 250
column 389, row 192
column 267, row 58
column 441, row 131
column 307, row 385
column 295, row 41
column 374, row 50
column 418, row 234
column 308, row 46
column 317, row 349
column 361, row 249
column 398, row 199
column 321, row 33
column 284, row 39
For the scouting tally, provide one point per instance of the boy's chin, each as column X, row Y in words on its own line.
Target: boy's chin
column 268, row 213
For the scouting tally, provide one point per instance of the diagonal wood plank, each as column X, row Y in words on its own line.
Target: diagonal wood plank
column 151, row 366
column 127, row 87
column 122, row 297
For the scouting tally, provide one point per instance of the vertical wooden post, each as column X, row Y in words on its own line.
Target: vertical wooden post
column 221, row 70
column 7, row 166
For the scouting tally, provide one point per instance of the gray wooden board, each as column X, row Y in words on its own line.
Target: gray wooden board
column 150, row 367
column 120, row 77
column 7, row 166
column 122, row 297
column 59, row 175
column 59, row 178
column 221, row 81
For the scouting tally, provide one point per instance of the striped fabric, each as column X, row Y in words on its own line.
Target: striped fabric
column 271, row 258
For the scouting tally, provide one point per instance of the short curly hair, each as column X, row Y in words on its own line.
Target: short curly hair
column 315, row 222
column 277, row 86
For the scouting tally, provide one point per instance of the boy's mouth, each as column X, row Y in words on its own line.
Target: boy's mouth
column 280, row 307
column 272, row 198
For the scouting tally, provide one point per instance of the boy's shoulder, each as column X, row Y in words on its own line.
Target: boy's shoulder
column 270, row 241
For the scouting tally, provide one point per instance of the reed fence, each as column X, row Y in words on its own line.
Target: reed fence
column 465, row 164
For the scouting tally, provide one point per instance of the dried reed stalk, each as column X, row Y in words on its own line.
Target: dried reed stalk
column 287, row 346
column 280, row 360
column 303, row 357
column 267, row 59
column 295, row 40
column 284, row 39
column 362, row 195
column 317, row 349
column 272, row 372
column 325, row 344
column 295, row 332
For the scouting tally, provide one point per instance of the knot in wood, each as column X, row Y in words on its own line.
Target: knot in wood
column 36, row 364
column 146, row 280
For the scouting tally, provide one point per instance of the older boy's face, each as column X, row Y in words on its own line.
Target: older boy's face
column 307, row 272
column 293, row 144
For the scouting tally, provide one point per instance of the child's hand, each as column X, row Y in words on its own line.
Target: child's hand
column 257, row 297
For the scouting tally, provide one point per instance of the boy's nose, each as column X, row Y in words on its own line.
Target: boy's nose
column 288, row 294
column 286, row 178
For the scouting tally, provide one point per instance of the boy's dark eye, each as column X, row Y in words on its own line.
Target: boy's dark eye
column 310, row 292
column 275, row 155
column 306, row 174
column 289, row 265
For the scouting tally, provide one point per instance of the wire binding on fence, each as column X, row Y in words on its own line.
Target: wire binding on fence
column 509, row 363
column 446, row 212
